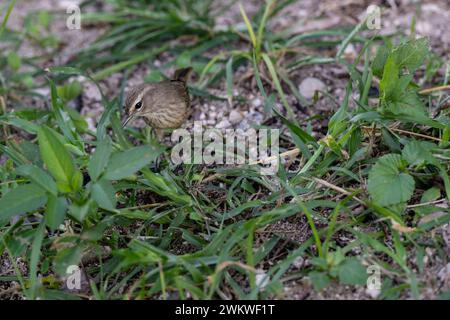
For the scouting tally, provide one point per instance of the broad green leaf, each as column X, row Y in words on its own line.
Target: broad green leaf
column 431, row 194
column 24, row 198
column 320, row 280
column 56, row 210
column 125, row 163
column 408, row 103
column 38, row 176
column 419, row 152
column 104, row 194
column 411, row 54
column 55, row 156
column 351, row 271
column 100, row 159
column 388, row 185
column 403, row 83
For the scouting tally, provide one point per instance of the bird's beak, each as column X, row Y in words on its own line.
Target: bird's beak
column 127, row 119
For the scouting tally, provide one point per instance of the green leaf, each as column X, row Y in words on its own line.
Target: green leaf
column 397, row 94
column 419, row 152
column 351, row 271
column 66, row 70
column 248, row 24
column 229, row 80
column 69, row 91
column 389, row 81
column 78, row 120
column 124, row 164
column 34, row 259
column 295, row 130
column 96, row 232
column 320, row 280
column 80, row 211
column 55, row 212
column 14, row 61
column 277, row 83
column 104, row 194
column 77, row 181
column 387, row 184
column 24, row 198
column 380, row 60
column 416, row 118
column 444, row 175
column 431, row 194
column 57, row 109
column 338, row 123
column 38, row 176
column 408, row 103
column 56, row 158
column 100, row 159
column 411, row 54
column 184, row 60
column 6, row 16
column 154, row 76
column 66, row 258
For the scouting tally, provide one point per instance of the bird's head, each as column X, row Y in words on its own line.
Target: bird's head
column 136, row 102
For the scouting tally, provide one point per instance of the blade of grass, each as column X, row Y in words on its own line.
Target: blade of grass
column 34, row 259
column 277, row 83
column 7, row 15
column 249, row 26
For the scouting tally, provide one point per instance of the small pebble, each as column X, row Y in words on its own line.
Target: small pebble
column 224, row 124
column 257, row 102
column 309, row 86
column 235, row 117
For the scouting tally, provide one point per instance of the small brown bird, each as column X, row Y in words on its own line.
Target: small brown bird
column 163, row 105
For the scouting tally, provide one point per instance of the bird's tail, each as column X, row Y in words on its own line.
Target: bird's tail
column 182, row 74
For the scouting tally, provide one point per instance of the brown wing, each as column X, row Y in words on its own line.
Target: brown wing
column 170, row 105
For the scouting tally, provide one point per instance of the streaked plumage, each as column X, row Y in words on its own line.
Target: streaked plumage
column 163, row 105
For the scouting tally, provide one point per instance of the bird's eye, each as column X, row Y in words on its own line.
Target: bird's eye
column 138, row 105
